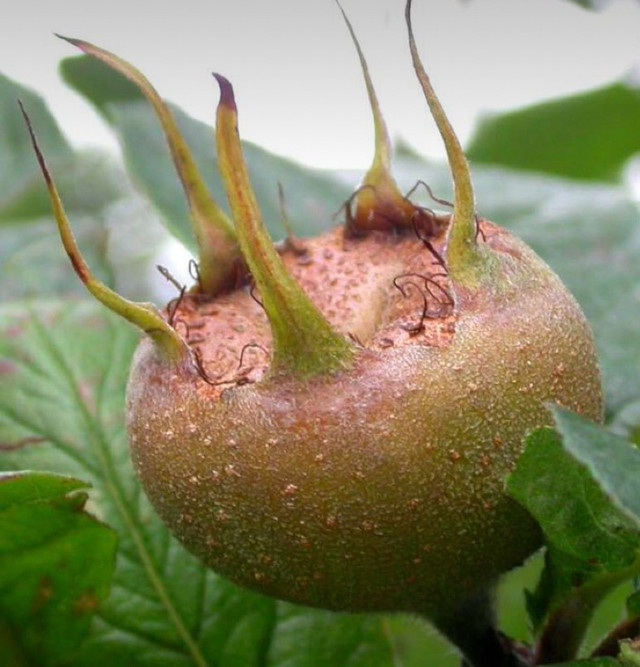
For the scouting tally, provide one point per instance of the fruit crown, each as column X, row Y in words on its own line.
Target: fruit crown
column 304, row 342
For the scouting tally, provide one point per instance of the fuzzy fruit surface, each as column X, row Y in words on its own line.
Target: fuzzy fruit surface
column 379, row 487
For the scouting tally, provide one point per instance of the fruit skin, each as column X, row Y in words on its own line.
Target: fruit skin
column 380, row 487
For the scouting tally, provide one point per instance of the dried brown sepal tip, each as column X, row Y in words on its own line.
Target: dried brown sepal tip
column 218, row 254
column 378, row 203
column 304, row 343
column 143, row 315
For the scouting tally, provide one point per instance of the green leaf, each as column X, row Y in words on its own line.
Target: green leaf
column 33, row 263
column 63, row 371
column 633, row 604
column 26, row 487
column 312, row 196
column 587, row 136
column 593, row 662
column 612, row 461
column 56, row 564
column 22, row 192
column 591, row 546
column 577, row 518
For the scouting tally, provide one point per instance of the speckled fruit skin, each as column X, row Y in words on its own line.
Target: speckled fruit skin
column 380, row 487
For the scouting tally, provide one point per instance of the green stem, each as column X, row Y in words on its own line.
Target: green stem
column 303, row 341
column 471, row 627
column 565, row 628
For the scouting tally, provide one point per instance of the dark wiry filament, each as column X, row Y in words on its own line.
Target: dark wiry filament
column 444, row 300
column 479, row 231
column 166, row 274
column 194, row 272
column 355, row 339
column 346, row 207
column 414, row 329
column 429, row 281
column 427, row 243
column 187, row 330
column 173, row 305
column 197, row 362
column 248, row 346
column 254, row 296
column 443, row 202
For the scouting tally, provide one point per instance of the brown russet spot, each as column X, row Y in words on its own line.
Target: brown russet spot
column 86, row 603
column 43, row 594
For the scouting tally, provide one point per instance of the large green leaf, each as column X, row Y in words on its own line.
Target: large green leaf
column 87, row 181
column 613, row 462
column 312, row 196
column 586, row 136
column 589, row 540
column 63, row 375
column 592, row 545
column 56, row 563
column 31, row 261
column 22, row 192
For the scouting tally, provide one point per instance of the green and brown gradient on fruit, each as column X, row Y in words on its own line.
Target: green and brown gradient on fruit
column 333, row 423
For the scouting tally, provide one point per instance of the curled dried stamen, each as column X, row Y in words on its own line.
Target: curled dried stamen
column 254, row 296
column 413, row 329
column 346, row 207
column 439, row 259
column 166, row 274
column 249, row 346
column 443, row 202
column 187, row 329
column 194, row 272
column 425, row 286
column 200, row 370
column 173, row 305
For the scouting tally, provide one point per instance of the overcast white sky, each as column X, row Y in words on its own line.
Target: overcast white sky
column 296, row 74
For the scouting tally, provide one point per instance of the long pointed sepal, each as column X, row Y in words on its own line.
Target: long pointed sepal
column 304, row 343
column 143, row 315
column 214, row 232
column 379, row 204
column 466, row 263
